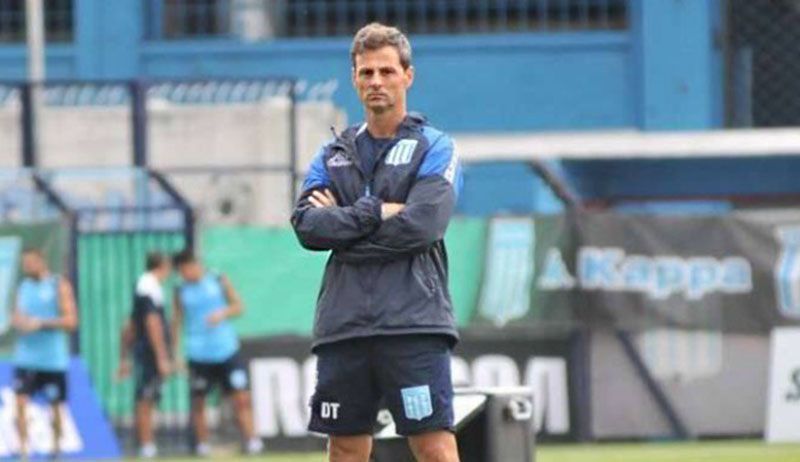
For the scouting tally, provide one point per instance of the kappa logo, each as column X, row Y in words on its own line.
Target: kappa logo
column 339, row 160
column 787, row 271
column 402, row 152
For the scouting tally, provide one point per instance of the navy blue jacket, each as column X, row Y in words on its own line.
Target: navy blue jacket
column 383, row 277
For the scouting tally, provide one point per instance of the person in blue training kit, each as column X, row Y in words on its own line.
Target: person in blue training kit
column 43, row 317
column 380, row 196
column 147, row 332
column 204, row 302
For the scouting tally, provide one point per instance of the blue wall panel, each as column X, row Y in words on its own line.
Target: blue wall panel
column 108, row 38
column 598, row 179
column 60, row 62
column 471, row 83
column 677, row 72
column 663, row 73
column 505, row 187
column 538, row 82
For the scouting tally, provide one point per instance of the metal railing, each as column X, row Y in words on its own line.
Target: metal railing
column 58, row 18
column 265, row 19
column 762, row 42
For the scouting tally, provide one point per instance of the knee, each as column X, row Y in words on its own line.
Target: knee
column 241, row 400
column 198, row 406
column 347, row 450
column 441, row 449
column 431, row 452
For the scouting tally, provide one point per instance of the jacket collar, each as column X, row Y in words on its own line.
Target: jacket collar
column 411, row 125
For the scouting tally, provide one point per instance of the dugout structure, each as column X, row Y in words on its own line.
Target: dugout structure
column 127, row 167
column 227, row 143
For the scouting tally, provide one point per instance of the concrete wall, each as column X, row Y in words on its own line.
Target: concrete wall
column 214, row 136
column 10, row 147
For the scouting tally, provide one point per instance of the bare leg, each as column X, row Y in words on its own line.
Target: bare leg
column 349, row 448
column 144, row 422
column 437, row 446
column 244, row 417
column 244, row 413
column 22, row 425
column 199, row 419
column 57, row 428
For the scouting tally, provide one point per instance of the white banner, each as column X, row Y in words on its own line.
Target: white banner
column 282, row 389
column 783, row 408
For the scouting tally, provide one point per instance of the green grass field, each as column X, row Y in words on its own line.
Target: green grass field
column 718, row 451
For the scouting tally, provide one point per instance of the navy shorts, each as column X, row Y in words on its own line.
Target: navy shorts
column 148, row 380
column 50, row 384
column 409, row 374
column 230, row 375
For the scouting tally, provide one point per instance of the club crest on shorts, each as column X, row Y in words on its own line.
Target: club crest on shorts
column 238, row 379
column 417, row 402
column 52, row 392
column 402, row 152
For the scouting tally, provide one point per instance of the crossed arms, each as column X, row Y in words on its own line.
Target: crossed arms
column 372, row 230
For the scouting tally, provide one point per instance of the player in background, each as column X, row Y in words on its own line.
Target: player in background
column 204, row 303
column 43, row 317
column 147, row 333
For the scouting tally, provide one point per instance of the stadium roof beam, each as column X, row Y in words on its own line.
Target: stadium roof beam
column 588, row 145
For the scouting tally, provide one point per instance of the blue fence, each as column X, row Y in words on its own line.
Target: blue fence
column 263, row 19
column 567, row 79
column 58, row 17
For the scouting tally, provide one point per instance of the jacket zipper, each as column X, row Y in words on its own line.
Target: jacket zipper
column 350, row 147
column 371, row 181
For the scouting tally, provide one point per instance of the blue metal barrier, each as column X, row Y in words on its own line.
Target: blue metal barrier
column 265, row 19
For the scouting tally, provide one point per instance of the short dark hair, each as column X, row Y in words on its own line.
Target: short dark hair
column 183, row 257
column 33, row 251
column 154, row 260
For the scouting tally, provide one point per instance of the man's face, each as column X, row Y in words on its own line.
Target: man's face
column 191, row 271
column 162, row 272
column 380, row 80
column 32, row 265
